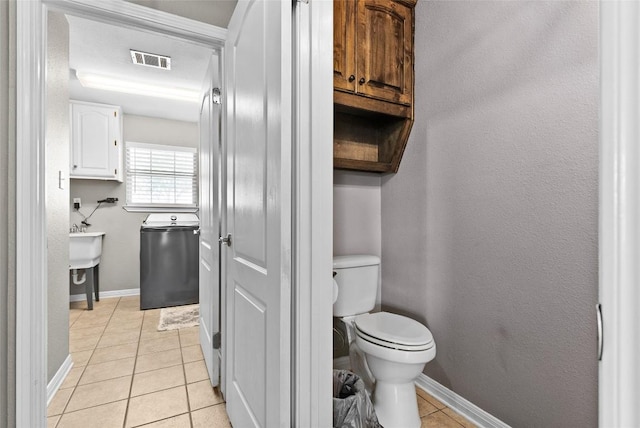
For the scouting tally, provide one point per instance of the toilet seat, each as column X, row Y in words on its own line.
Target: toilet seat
column 393, row 331
column 391, row 345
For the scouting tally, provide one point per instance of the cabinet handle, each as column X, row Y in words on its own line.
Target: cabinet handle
column 352, row 78
column 75, row 166
column 361, row 81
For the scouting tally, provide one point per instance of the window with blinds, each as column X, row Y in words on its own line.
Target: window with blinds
column 161, row 176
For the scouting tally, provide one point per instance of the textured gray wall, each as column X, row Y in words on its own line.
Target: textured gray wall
column 57, row 159
column 356, row 213
column 489, row 230
column 120, row 262
column 357, row 219
column 7, row 215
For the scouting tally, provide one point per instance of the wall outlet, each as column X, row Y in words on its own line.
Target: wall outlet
column 76, row 203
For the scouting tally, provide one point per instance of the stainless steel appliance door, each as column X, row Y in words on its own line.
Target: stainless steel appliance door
column 168, row 266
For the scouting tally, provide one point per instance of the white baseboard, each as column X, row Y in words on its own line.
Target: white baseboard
column 106, row 294
column 458, row 404
column 59, row 377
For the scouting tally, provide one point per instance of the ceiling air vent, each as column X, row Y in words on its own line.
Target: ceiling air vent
column 151, row 60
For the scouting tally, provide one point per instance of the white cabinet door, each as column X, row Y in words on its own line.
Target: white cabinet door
column 258, row 257
column 96, row 141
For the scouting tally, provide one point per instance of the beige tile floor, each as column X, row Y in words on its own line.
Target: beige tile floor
column 435, row 414
column 128, row 374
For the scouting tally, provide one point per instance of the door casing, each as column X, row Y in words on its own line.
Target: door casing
column 619, row 214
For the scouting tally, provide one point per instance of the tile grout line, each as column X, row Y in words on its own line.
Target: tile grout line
column 133, row 374
column 85, row 367
column 90, row 407
column 141, row 395
column 440, row 407
column 184, row 373
column 442, row 410
column 159, row 420
column 450, row 418
column 73, row 388
column 104, row 328
column 104, row 380
column 146, row 316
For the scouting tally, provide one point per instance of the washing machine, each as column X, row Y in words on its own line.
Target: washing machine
column 169, row 253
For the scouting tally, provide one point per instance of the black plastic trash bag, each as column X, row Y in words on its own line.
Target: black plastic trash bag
column 352, row 407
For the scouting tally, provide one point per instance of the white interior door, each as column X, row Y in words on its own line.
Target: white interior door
column 209, row 177
column 258, row 214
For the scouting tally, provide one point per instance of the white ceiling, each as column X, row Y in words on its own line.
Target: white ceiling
column 104, row 49
column 214, row 12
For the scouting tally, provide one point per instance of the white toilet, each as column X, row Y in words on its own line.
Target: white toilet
column 395, row 347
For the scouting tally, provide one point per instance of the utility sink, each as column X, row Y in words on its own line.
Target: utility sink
column 85, row 249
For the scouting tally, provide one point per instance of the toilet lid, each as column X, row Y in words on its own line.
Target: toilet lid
column 394, row 329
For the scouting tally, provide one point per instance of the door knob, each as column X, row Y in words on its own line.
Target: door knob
column 226, row 240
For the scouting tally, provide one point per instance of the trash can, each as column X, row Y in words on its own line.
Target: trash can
column 352, row 407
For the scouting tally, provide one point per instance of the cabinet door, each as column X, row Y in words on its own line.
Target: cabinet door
column 385, row 50
column 95, row 141
column 344, row 45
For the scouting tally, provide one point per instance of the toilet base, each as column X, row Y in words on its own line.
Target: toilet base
column 396, row 405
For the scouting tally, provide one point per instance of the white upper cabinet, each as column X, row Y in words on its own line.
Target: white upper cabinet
column 96, row 141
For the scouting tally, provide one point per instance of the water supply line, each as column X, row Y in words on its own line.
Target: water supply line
column 85, row 219
column 80, row 281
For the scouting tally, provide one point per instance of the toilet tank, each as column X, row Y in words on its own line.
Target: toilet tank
column 357, row 279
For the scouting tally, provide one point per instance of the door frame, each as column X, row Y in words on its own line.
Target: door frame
column 619, row 207
column 313, row 172
column 312, row 189
column 31, row 232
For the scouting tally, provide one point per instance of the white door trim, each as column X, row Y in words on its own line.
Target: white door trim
column 313, row 214
column 31, row 261
column 619, row 243
column 142, row 18
column 31, row 255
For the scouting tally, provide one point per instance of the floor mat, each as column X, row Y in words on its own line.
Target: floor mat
column 179, row 317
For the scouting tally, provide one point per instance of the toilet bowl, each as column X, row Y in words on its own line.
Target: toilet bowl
column 395, row 348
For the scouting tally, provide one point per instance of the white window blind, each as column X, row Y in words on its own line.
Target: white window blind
column 161, row 176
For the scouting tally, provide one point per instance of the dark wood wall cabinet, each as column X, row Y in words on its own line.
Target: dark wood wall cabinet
column 373, row 83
